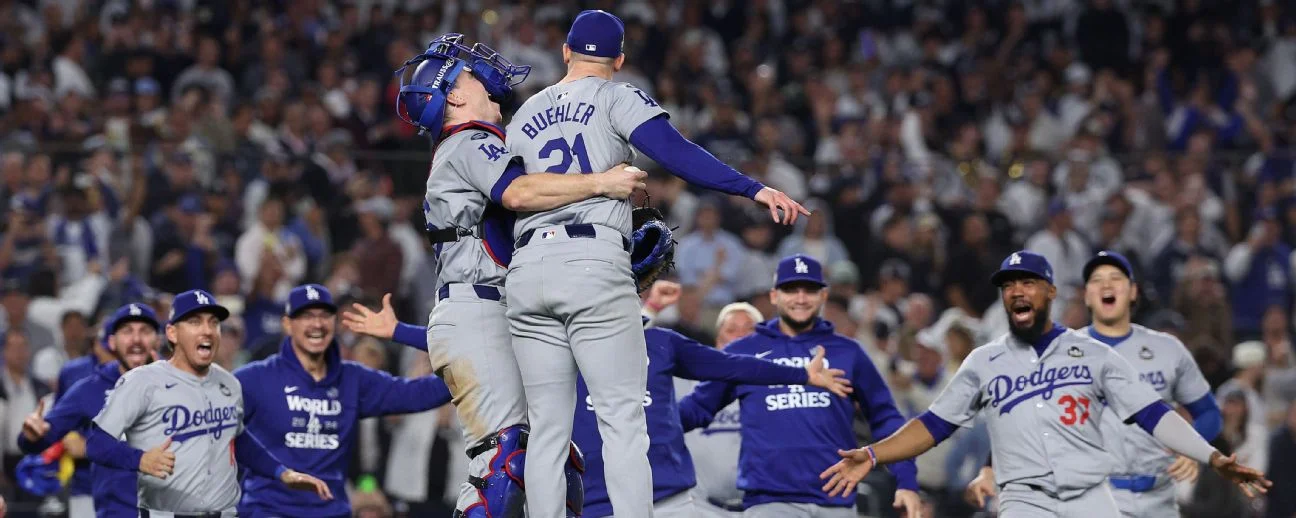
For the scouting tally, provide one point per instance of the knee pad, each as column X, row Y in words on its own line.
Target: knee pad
column 575, row 471
column 500, row 491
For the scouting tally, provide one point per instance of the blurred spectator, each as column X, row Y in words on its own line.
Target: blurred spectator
column 1259, row 271
column 969, row 267
column 1281, row 501
column 1064, row 248
column 267, row 244
column 1249, row 367
column 21, row 394
column 710, row 259
column 16, row 301
column 815, row 238
column 1249, row 439
column 1201, row 300
column 378, row 257
column 77, row 341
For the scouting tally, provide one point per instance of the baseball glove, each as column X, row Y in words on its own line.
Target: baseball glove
column 652, row 252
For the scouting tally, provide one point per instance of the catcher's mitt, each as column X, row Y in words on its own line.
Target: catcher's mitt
column 652, row 252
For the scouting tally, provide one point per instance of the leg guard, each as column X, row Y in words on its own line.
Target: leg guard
column 575, row 471
column 500, row 489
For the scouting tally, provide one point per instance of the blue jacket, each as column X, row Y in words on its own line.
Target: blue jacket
column 670, row 354
column 73, row 371
column 311, row 426
column 790, row 434
column 114, row 490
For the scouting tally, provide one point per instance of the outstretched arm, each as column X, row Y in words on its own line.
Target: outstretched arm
column 911, row 441
column 658, row 139
column 383, row 325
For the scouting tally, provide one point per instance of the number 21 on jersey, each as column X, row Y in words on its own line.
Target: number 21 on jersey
column 565, row 153
column 1074, row 410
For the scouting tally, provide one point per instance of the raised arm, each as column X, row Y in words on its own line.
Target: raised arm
column 698, row 362
column 383, row 325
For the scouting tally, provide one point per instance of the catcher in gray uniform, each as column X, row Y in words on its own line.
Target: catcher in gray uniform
column 182, row 420
column 1142, row 480
column 573, row 308
column 1046, row 391
column 451, row 92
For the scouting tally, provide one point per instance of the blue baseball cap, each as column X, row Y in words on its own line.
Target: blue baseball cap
column 799, row 268
column 596, row 33
column 193, row 301
column 130, row 313
column 1112, row 258
column 308, row 296
column 1021, row 263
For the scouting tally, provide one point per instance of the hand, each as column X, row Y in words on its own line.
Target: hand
column 158, row 461
column 981, row 488
column 1251, row 480
column 1183, row 469
column 909, row 501
column 35, row 427
column 364, row 321
column 833, row 380
column 620, row 182
column 847, row 473
column 304, row 482
column 663, row 294
column 777, row 201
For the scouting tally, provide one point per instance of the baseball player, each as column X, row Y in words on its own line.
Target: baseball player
column 715, row 448
column 1046, row 390
column 789, row 431
column 562, row 328
column 132, row 333
column 474, row 183
column 198, row 406
column 670, row 354
column 1144, row 471
column 304, row 404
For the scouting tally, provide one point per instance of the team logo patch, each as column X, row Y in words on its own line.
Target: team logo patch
column 332, row 392
column 225, row 391
column 479, row 135
column 591, row 47
column 1145, row 353
column 1075, row 352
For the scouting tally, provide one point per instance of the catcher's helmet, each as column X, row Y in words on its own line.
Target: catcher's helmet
column 427, row 78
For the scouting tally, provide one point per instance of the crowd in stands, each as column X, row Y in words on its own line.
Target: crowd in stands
column 243, row 147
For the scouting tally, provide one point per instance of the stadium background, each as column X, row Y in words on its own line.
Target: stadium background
column 154, row 146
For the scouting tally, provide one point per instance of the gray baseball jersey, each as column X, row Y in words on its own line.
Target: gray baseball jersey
column 202, row 416
column 1162, row 362
column 465, row 170
column 1044, row 409
column 580, row 126
column 715, row 450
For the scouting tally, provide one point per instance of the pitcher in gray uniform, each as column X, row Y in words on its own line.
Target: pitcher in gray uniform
column 182, row 420
column 1046, row 391
column 1144, row 474
column 473, row 186
column 572, row 306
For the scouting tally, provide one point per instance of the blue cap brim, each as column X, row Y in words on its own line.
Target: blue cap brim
column 220, row 312
column 1009, row 273
column 305, row 307
column 1097, row 261
column 805, row 279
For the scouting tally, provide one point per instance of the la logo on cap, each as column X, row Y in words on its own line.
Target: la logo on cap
column 202, row 299
column 801, row 266
column 135, row 310
column 311, row 294
column 1015, row 259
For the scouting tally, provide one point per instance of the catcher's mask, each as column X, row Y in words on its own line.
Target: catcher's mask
column 426, row 79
